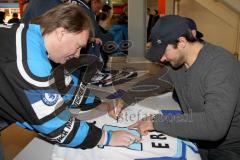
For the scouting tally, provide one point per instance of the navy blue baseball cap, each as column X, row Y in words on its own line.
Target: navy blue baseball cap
column 167, row 30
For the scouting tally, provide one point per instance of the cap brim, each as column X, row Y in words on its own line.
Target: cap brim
column 156, row 52
column 199, row 34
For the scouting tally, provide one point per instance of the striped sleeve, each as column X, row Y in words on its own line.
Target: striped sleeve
column 67, row 131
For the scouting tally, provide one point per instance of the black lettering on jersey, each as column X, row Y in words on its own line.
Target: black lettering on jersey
column 159, row 136
column 67, row 129
column 160, row 145
column 62, row 136
column 79, row 95
column 69, row 123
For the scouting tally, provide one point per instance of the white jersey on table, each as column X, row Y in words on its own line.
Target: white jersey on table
column 156, row 146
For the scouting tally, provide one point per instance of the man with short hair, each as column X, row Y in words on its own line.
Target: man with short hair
column 37, row 95
column 95, row 5
column 206, row 78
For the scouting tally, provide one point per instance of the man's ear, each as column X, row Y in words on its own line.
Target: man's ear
column 60, row 31
column 182, row 42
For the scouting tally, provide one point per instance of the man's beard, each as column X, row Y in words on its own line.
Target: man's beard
column 177, row 64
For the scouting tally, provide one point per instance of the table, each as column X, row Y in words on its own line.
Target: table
column 155, row 145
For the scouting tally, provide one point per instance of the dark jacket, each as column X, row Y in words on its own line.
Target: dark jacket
column 37, row 96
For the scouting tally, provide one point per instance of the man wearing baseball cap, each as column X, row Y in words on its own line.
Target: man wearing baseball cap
column 206, row 78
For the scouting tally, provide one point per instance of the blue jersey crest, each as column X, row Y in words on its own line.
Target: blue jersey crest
column 50, row 99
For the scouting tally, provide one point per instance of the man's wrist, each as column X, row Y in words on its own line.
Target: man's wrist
column 107, row 135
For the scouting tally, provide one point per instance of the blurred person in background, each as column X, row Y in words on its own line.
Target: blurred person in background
column 2, row 17
column 14, row 18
